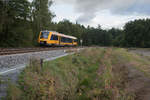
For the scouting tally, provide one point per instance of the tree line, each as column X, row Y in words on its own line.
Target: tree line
column 21, row 21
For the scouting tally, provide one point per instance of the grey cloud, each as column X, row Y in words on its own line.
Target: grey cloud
column 89, row 8
column 64, row 1
column 86, row 17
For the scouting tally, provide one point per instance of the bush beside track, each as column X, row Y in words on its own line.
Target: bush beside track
column 92, row 74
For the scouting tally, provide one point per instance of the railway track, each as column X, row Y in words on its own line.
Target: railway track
column 9, row 51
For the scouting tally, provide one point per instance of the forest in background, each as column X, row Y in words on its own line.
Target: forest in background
column 21, row 21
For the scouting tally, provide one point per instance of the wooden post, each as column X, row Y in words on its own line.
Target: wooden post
column 41, row 62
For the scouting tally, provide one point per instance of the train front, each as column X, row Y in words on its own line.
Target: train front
column 43, row 37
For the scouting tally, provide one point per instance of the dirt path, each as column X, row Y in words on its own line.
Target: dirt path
column 143, row 52
column 138, row 82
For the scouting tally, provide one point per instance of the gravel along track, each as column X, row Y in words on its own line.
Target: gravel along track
column 8, row 61
column 12, row 65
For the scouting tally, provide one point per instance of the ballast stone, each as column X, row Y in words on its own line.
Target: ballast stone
column 16, row 59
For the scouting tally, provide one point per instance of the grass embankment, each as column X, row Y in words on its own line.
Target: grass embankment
column 92, row 74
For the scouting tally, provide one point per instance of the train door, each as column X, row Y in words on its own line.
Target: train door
column 59, row 39
column 72, row 42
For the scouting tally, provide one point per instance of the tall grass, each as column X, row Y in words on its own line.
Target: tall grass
column 92, row 74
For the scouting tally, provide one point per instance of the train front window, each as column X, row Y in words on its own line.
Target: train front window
column 44, row 35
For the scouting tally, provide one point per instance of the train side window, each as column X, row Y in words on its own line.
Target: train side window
column 54, row 37
column 66, row 40
column 63, row 39
column 75, row 40
column 69, row 40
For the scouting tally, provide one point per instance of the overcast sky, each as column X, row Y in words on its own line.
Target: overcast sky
column 107, row 13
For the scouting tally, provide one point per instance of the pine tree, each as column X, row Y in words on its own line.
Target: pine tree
column 14, row 22
column 42, row 16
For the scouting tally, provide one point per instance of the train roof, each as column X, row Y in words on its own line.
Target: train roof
column 60, row 34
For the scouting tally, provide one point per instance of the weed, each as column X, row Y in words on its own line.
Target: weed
column 13, row 93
